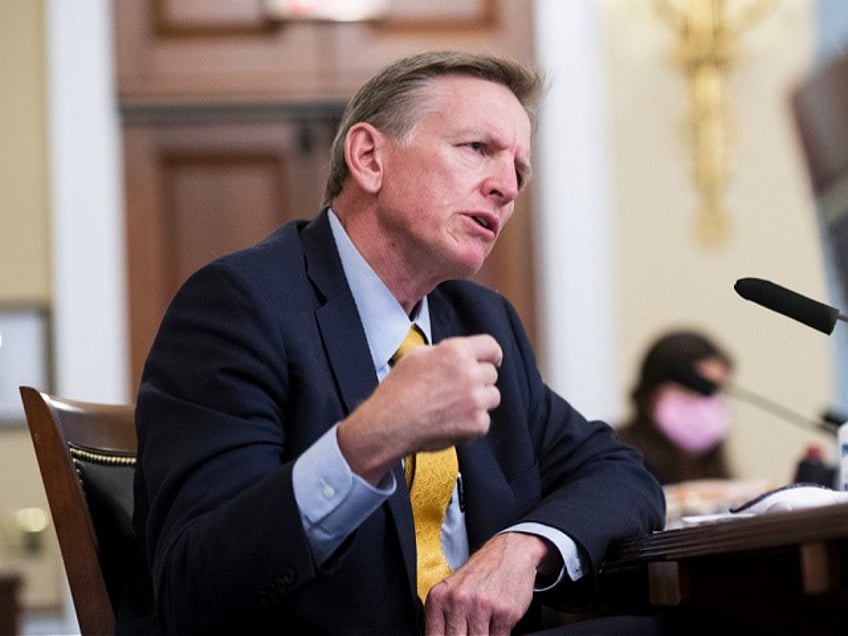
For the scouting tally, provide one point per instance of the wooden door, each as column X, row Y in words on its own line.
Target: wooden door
column 201, row 189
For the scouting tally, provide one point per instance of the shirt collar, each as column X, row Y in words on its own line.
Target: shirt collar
column 383, row 319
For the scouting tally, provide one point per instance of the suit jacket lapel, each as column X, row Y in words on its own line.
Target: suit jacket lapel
column 338, row 319
column 350, row 359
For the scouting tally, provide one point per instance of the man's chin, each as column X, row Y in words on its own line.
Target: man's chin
column 470, row 269
column 466, row 263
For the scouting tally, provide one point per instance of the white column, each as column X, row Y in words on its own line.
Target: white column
column 89, row 288
column 570, row 159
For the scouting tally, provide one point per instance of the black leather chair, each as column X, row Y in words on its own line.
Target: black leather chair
column 86, row 454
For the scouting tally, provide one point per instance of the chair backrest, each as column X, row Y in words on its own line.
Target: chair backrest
column 86, row 453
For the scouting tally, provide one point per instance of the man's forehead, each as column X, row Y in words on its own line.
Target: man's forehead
column 501, row 113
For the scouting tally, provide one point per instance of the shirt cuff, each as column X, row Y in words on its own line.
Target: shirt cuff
column 333, row 500
column 572, row 562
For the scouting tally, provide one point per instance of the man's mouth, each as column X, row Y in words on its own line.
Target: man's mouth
column 481, row 221
column 488, row 222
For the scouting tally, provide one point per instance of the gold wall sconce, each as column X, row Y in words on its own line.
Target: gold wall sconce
column 707, row 32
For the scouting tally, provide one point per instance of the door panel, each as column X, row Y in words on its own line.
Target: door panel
column 195, row 192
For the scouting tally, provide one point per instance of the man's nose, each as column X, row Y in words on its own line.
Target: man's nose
column 503, row 182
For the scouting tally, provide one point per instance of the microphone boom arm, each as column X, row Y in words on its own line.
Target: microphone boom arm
column 779, row 410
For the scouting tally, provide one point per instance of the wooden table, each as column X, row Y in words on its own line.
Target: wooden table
column 779, row 573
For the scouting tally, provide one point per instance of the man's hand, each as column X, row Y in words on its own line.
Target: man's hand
column 434, row 397
column 490, row 593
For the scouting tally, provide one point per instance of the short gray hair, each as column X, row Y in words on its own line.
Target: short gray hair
column 391, row 100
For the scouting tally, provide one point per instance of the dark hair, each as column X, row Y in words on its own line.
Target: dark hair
column 669, row 354
column 392, row 100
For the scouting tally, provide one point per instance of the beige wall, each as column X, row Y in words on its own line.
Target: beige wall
column 665, row 275
column 24, row 246
column 24, row 266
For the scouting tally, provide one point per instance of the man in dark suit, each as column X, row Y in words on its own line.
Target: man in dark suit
column 275, row 422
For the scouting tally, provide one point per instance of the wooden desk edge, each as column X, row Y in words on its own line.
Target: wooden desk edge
column 798, row 527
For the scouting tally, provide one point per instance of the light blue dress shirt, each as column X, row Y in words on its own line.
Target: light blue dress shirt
column 333, row 501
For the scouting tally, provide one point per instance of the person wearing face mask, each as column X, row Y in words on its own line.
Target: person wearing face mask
column 679, row 429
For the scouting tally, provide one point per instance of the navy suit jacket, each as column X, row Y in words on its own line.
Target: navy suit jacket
column 258, row 355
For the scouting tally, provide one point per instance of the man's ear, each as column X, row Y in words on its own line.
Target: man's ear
column 363, row 152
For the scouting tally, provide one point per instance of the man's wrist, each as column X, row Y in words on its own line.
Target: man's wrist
column 567, row 550
column 545, row 555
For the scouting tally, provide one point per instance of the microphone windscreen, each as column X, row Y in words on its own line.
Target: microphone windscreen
column 789, row 303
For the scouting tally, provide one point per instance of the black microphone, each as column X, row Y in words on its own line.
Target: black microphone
column 685, row 374
column 789, row 303
column 834, row 418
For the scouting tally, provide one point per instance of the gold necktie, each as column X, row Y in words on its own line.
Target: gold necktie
column 431, row 478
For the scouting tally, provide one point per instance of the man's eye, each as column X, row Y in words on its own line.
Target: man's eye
column 476, row 146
